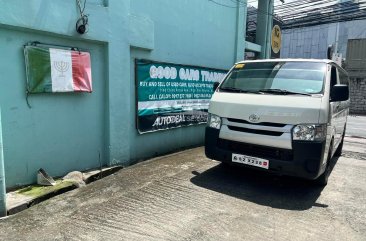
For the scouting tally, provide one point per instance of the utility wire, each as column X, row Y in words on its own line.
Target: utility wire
column 82, row 22
column 222, row 4
column 302, row 13
column 315, row 12
column 81, row 9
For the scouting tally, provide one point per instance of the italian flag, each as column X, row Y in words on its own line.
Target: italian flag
column 57, row 70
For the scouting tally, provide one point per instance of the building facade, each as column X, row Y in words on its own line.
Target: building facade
column 356, row 67
column 68, row 131
column 313, row 42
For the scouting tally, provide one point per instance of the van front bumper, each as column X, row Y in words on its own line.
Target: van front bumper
column 304, row 160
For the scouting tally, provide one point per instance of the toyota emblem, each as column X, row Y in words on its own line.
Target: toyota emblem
column 254, row 118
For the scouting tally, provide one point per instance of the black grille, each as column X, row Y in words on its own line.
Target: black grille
column 254, row 131
column 261, row 123
column 256, row 150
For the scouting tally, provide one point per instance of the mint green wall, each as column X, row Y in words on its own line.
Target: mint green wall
column 66, row 132
column 186, row 32
column 60, row 131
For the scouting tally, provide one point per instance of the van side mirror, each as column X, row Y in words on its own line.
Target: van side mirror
column 339, row 93
column 215, row 85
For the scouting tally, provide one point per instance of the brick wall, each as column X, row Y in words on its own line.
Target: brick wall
column 358, row 95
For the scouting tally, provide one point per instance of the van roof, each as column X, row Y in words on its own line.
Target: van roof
column 327, row 61
column 288, row 60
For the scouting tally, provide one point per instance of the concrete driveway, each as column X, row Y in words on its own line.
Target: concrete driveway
column 188, row 197
column 185, row 196
column 356, row 126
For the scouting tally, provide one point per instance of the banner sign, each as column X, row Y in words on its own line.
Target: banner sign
column 171, row 95
column 57, row 70
column 276, row 39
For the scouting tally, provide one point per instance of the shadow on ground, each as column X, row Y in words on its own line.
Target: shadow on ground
column 261, row 188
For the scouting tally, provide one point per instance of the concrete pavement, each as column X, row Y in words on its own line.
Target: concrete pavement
column 185, row 196
column 356, row 126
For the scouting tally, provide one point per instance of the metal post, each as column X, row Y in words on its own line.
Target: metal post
column 241, row 20
column 264, row 27
column 2, row 176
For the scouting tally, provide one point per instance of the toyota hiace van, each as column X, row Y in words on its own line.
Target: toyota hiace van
column 286, row 116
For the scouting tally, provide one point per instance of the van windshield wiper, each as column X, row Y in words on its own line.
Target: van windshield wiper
column 232, row 89
column 282, row 92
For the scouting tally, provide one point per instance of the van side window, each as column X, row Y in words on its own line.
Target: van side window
column 343, row 77
column 333, row 77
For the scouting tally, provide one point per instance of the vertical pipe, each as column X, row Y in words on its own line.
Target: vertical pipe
column 264, row 27
column 240, row 31
column 269, row 28
column 2, row 176
column 261, row 31
column 336, row 40
column 244, row 25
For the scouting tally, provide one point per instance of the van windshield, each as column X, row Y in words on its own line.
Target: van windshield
column 304, row 78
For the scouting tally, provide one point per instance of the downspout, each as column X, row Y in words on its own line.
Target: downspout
column 244, row 25
column 269, row 28
column 241, row 15
column 2, row 176
column 264, row 27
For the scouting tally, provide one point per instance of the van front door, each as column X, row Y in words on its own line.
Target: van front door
column 336, row 108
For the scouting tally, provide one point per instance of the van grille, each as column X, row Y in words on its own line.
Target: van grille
column 262, row 123
column 256, row 150
column 255, row 131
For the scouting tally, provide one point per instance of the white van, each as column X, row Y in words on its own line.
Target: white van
column 286, row 116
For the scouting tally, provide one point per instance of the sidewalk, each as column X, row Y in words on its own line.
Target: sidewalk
column 356, row 126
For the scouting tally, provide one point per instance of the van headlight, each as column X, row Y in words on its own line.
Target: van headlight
column 214, row 121
column 309, row 132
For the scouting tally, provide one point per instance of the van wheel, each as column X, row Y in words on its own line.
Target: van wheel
column 322, row 180
column 226, row 164
column 338, row 152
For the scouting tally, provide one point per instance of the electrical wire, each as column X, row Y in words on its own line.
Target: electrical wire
column 239, row 3
column 302, row 13
column 82, row 22
column 221, row 4
column 81, row 9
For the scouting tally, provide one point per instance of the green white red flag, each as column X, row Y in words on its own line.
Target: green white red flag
column 57, row 70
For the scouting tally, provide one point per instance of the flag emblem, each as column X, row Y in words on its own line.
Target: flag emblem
column 57, row 70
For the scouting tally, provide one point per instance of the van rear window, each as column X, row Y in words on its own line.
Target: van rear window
column 296, row 77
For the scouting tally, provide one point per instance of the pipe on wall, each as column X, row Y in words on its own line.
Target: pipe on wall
column 2, row 176
column 240, row 33
column 264, row 27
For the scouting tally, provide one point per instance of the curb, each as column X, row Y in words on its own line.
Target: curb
column 21, row 202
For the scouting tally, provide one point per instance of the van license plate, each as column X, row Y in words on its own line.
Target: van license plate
column 251, row 161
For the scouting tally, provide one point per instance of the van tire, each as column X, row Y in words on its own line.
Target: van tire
column 338, row 152
column 322, row 180
column 226, row 164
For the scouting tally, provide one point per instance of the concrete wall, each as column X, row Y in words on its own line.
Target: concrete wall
column 358, row 95
column 63, row 132
column 356, row 67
